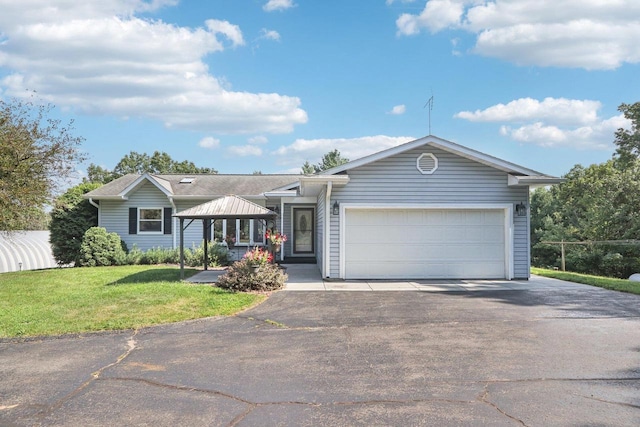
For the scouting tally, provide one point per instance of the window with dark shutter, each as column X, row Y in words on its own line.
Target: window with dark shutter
column 167, row 220
column 133, row 220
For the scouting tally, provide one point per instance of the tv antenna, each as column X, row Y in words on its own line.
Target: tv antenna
column 430, row 104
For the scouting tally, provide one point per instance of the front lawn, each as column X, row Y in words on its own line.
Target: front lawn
column 72, row 300
column 601, row 282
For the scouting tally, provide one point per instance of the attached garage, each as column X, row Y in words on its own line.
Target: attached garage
column 426, row 243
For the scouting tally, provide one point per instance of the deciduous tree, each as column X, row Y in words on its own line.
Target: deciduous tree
column 37, row 155
column 329, row 160
column 628, row 140
column 139, row 163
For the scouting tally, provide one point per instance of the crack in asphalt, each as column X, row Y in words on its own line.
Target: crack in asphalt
column 628, row 405
column 484, row 398
column 251, row 406
column 48, row 409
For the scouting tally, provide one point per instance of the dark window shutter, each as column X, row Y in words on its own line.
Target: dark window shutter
column 133, row 220
column 167, row 220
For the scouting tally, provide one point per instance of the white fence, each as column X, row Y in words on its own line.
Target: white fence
column 25, row 250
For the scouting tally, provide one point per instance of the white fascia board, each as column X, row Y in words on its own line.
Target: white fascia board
column 483, row 158
column 300, row 200
column 317, row 182
column 533, row 181
column 149, row 178
column 106, row 197
column 323, row 179
column 283, row 193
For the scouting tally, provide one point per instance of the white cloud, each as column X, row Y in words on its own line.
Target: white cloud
column 590, row 34
column 312, row 150
column 230, row 31
column 260, row 139
column 560, row 110
column 98, row 57
column 552, row 123
column 209, row 143
column 398, row 109
column 244, row 150
column 272, row 5
column 269, row 34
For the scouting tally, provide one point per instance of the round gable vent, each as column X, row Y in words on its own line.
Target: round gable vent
column 427, row 163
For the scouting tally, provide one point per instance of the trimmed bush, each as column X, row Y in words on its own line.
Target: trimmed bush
column 100, row 248
column 241, row 278
column 194, row 257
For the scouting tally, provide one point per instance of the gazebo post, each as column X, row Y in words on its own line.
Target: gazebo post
column 181, row 248
column 205, row 225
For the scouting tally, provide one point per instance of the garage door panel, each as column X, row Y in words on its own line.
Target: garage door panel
column 422, row 243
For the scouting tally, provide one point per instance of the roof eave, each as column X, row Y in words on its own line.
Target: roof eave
column 533, row 181
column 104, row 197
column 443, row 144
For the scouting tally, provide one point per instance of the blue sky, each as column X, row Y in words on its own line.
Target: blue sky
column 246, row 85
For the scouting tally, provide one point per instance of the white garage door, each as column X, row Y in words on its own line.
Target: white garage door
column 424, row 243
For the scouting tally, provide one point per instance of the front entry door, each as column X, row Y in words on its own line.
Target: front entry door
column 303, row 231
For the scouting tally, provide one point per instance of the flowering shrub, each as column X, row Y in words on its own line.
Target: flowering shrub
column 258, row 256
column 240, row 277
column 275, row 237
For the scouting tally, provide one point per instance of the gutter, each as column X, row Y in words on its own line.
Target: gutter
column 173, row 229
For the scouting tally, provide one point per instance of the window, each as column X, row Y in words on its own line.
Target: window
column 245, row 231
column 218, row 231
column 258, row 231
column 150, row 220
column 231, row 229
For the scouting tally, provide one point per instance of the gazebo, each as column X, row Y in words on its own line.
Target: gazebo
column 228, row 207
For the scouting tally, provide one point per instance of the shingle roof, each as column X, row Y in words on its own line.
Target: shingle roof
column 205, row 186
column 227, row 207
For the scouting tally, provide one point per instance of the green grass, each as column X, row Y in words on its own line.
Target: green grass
column 73, row 300
column 601, row 282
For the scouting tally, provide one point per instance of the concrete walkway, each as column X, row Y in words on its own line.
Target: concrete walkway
column 306, row 277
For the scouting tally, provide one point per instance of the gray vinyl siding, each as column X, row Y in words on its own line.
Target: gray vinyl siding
column 521, row 252
column 193, row 232
column 396, row 180
column 114, row 216
column 320, row 227
column 287, row 229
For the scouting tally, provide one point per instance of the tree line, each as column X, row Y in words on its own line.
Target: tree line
column 600, row 202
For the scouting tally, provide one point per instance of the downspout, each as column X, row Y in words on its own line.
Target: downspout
column 97, row 206
column 327, row 232
column 173, row 228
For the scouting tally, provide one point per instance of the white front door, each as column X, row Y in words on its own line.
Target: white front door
column 425, row 244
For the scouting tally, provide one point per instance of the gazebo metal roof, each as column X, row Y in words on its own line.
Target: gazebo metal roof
column 228, row 207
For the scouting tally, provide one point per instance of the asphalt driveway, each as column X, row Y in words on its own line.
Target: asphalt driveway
column 558, row 355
